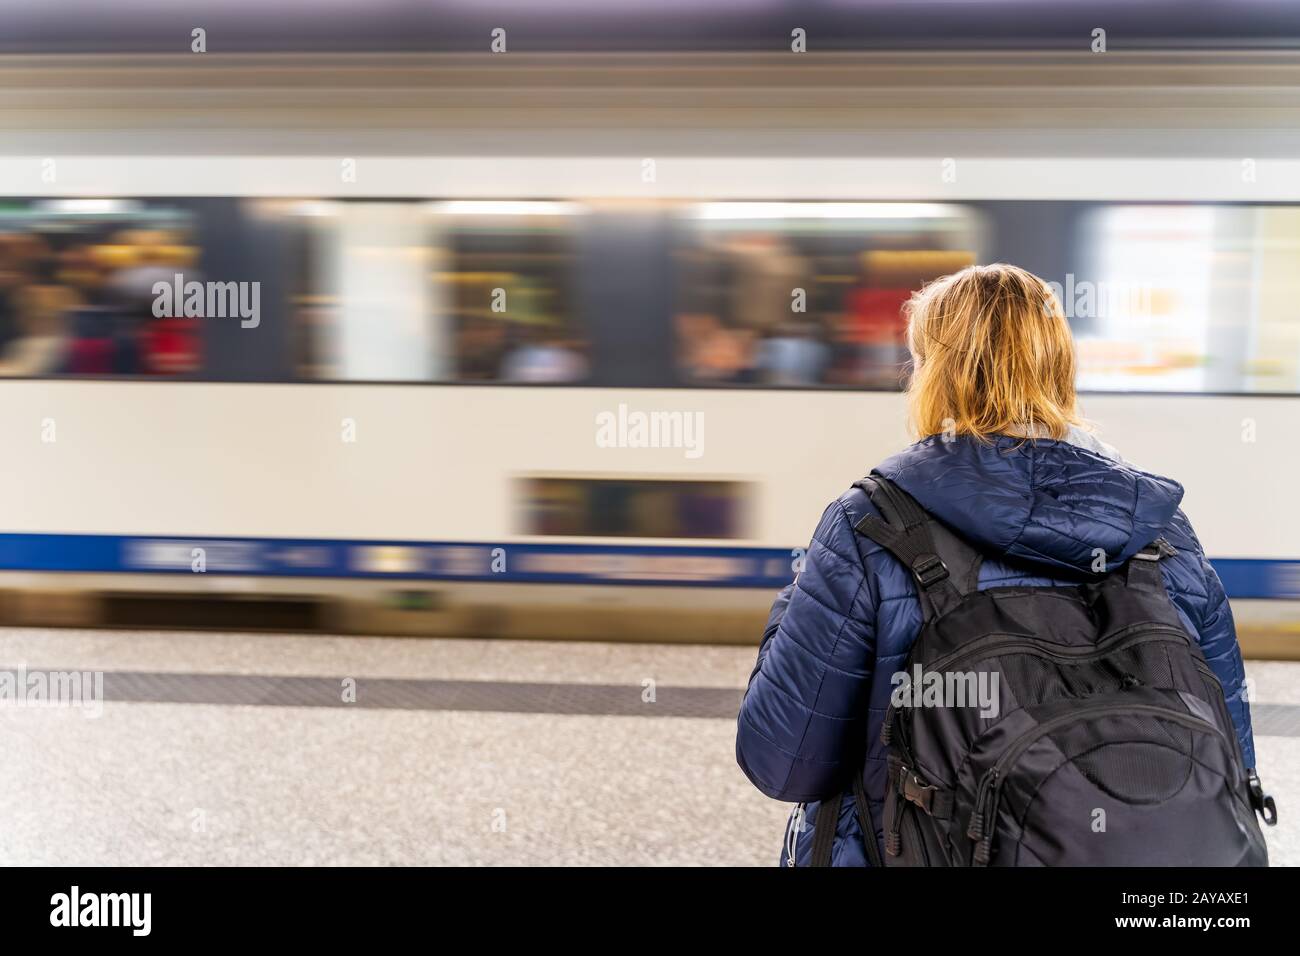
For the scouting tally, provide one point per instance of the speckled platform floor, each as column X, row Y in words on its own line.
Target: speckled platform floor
column 269, row 783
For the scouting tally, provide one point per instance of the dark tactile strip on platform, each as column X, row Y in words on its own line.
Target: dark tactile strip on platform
column 627, row 700
column 515, row 697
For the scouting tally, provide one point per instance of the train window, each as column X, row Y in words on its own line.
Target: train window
column 806, row 294
column 634, row 508
column 363, row 306
column 444, row 291
column 1188, row 298
column 507, row 275
column 77, row 280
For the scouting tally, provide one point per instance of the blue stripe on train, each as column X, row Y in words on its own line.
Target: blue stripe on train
column 558, row 563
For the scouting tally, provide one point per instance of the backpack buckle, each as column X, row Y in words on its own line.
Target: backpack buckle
column 913, row 790
column 1157, row 549
column 929, row 569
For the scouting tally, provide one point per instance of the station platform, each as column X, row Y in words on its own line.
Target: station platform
column 253, row 749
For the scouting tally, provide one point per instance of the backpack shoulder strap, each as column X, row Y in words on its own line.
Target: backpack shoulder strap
column 828, row 817
column 1142, row 571
column 945, row 567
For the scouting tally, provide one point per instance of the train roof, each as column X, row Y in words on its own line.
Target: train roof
column 164, row 26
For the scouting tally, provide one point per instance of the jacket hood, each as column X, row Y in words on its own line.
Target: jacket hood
column 1046, row 502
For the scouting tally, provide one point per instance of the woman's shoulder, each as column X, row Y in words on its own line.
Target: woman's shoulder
column 837, row 529
column 854, row 503
column 1181, row 535
column 1187, row 567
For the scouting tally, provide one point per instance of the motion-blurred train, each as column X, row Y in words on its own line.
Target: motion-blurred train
column 444, row 366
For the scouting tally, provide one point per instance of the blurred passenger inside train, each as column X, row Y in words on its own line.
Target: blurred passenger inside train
column 792, row 355
column 803, row 307
column 80, row 302
column 738, row 326
column 763, row 272
column 543, row 355
column 873, row 325
column 1005, row 461
column 709, row 352
column 166, row 344
column 98, row 344
column 44, row 304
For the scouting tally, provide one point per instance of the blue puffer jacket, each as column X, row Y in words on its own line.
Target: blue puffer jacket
column 845, row 625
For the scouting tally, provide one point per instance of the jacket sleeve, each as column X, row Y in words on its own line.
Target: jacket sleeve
column 1219, row 643
column 774, row 619
column 803, row 717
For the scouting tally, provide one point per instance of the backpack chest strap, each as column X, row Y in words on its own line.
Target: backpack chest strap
column 935, row 801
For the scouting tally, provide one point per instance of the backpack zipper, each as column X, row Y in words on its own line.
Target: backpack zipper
column 1149, row 632
column 792, row 831
column 988, row 793
column 1153, row 632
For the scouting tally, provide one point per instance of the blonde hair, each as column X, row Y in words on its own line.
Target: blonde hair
column 992, row 355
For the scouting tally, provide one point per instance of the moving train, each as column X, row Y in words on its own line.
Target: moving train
column 420, row 372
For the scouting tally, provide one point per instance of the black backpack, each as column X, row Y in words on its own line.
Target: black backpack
column 1051, row 726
